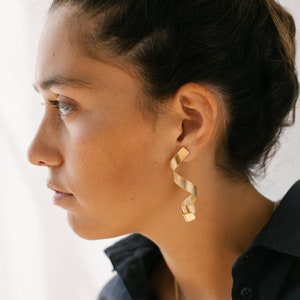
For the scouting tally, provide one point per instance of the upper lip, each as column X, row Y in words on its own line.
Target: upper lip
column 56, row 188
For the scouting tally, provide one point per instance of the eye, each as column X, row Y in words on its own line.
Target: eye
column 63, row 108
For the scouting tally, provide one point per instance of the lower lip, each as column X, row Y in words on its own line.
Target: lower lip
column 60, row 197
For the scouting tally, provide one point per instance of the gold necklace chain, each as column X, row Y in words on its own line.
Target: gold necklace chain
column 177, row 291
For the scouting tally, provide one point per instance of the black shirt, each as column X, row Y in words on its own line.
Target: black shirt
column 268, row 270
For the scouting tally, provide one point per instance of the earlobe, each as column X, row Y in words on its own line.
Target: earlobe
column 198, row 112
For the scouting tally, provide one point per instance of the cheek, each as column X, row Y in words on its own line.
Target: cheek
column 119, row 175
column 117, row 191
column 117, row 165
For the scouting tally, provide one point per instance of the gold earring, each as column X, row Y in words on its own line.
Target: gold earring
column 188, row 205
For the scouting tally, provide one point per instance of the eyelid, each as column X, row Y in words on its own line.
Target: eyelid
column 64, row 99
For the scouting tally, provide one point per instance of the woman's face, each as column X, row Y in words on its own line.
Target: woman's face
column 107, row 161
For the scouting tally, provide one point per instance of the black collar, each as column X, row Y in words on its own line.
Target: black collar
column 282, row 232
column 134, row 258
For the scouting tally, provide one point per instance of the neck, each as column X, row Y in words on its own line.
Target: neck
column 200, row 254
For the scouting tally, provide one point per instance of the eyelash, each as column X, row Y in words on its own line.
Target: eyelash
column 60, row 106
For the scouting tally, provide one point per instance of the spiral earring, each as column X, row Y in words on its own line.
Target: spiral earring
column 188, row 205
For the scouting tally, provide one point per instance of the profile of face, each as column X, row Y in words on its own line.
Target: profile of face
column 108, row 154
column 108, row 160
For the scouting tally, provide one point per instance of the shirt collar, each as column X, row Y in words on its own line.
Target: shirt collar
column 134, row 258
column 282, row 232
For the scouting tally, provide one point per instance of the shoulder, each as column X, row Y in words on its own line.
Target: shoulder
column 114, row 289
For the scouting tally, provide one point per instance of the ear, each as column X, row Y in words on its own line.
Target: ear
column 198, row 109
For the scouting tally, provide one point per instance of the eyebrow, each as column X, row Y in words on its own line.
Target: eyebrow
column 60, row 81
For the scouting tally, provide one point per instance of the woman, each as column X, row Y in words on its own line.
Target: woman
column 158, row 115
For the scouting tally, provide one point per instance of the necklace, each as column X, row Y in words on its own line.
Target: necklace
column 177, row 291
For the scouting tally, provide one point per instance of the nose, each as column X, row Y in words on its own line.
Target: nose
column 44, row 148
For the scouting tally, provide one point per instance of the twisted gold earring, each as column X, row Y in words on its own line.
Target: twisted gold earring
column 188, row 205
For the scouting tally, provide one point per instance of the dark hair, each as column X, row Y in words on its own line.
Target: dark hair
column 245, row 49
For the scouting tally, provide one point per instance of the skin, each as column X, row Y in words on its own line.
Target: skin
column 108, row 163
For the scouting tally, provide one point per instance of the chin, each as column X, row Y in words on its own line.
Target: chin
column 82, row 228
column 88, row 231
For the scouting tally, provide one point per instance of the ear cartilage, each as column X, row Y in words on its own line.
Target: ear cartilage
column 188, row 206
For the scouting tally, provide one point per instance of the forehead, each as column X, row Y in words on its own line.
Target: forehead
column 62, row 55
column 59, row 39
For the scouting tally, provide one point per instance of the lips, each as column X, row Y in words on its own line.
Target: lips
column 56, row 188
column 62, row 195
column 61, row 199
column 59, row 193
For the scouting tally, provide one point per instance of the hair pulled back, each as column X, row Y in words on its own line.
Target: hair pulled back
column 243, row 48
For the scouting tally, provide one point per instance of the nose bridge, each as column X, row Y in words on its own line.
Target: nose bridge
column 44, row 148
